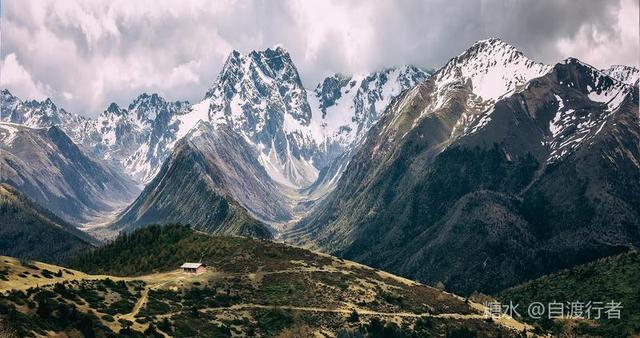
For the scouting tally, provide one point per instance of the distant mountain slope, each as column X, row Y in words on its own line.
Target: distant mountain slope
column 136, row 138
column 495, row 170
column 29, row 231
column 611, row 279
column 46, row 166
column 201, row 184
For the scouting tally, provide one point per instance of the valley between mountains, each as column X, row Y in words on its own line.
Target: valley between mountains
column 489, row 172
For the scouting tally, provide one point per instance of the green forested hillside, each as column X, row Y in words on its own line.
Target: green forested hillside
column 609, row 279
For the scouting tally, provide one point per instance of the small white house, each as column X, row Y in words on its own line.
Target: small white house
column 195, row 268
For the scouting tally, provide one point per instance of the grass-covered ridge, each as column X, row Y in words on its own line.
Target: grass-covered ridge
column 253, row 288
column 164, row 248
column 609, row 279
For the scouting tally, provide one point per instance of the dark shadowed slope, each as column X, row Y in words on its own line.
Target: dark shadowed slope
column 29, row 231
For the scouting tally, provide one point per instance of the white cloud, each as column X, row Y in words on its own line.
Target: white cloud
column 17, row 79
column 86, row 54
column 602, row 49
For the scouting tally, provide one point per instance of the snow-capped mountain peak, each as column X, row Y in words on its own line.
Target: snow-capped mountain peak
column 297, row 132
column 346, row 106
column 493, row 67
column 627, row 74
column 489, row 70
column 261, row 96
column 248, row 80
column 148, row 108
column 258, row 95
column 33, row 113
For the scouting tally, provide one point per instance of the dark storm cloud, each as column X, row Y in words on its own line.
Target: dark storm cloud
column 87, row 54
column 430, row 32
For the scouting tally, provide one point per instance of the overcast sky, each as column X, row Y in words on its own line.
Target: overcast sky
column 86, row 54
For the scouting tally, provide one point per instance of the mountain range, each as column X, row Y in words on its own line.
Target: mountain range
column 495, row 170
column 476, row 175
column 295, row 134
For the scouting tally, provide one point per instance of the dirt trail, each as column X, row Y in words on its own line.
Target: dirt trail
column 345, row 311
column 136, row 308
column 504, row 320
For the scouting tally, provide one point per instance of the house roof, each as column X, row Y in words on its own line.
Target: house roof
column 191, row 265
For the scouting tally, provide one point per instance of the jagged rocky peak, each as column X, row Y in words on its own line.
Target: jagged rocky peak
column 493, row 67
column 333, row 87
column 45, row 106
column 147, row 100
column 276, row 63
column 148, row 107
column 261, row 96
column 33, row 113
column 330, row 90
column 627, row 74
column 114, row 109
column 268, row 78
column 350, row 104
column 8, row 104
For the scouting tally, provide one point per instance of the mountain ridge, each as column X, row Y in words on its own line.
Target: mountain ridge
column 195, row 171
column 131, row 139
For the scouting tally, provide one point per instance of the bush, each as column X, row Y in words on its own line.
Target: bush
column 354, row 317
